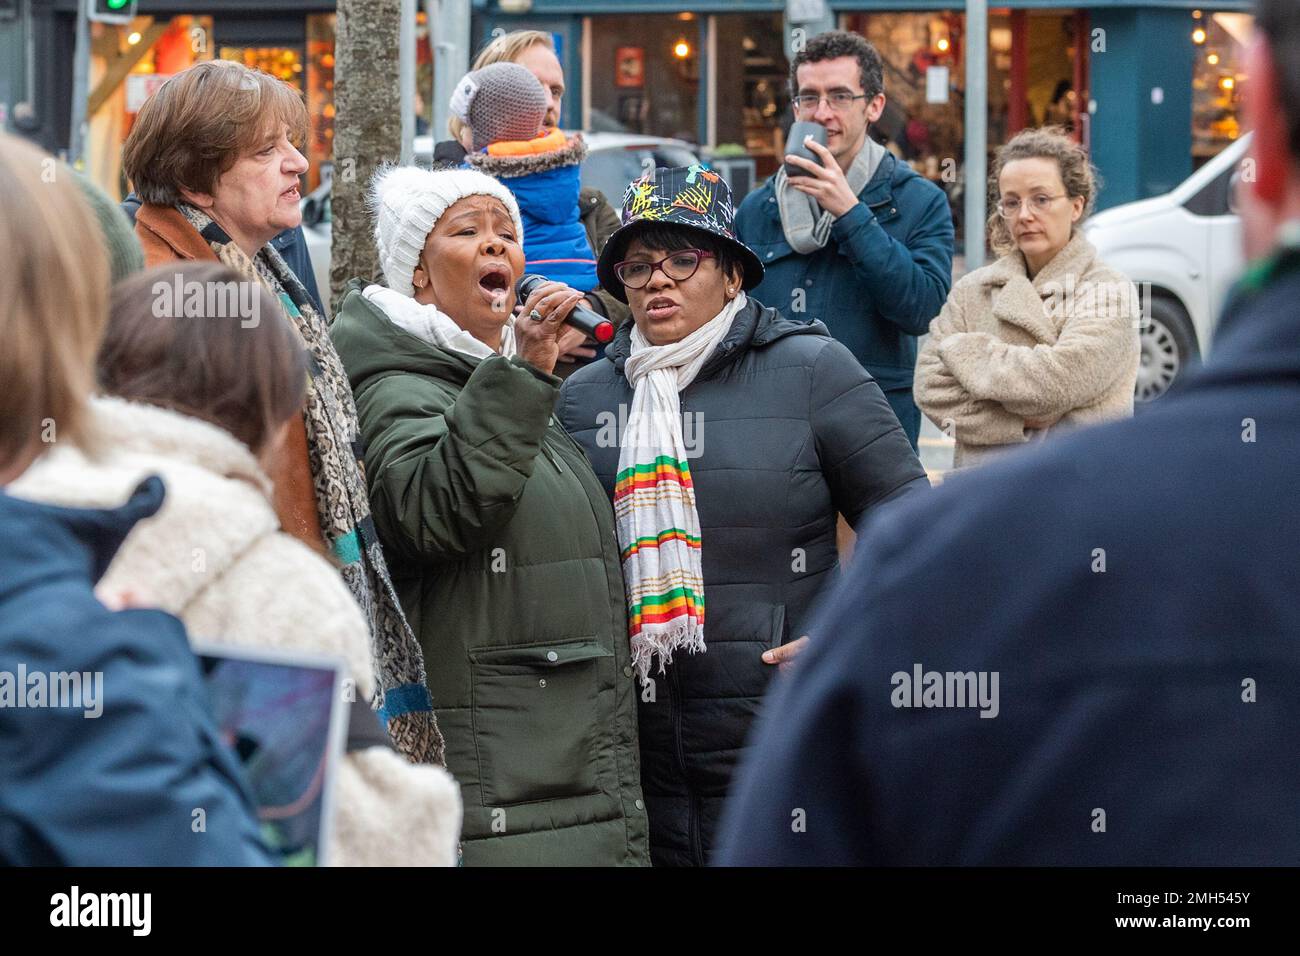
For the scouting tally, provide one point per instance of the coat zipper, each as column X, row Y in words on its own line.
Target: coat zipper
column 697, row 842
column 551, row 456
column 599, row 492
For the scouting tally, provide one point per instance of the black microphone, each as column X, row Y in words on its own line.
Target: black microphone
column 581, row 318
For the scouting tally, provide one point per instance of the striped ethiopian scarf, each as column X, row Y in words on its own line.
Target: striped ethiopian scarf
column 654, row 500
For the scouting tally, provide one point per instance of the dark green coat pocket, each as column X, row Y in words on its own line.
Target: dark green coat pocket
column 543, row 720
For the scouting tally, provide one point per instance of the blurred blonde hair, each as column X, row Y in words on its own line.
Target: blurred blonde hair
column 1078, row 175
column 506, row 48
column 53, row 300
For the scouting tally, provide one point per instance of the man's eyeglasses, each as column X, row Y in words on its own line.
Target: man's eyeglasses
column 1010, row 208
column 839, row 100
column 679, row 267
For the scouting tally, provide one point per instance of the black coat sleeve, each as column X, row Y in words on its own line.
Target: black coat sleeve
column 865, row 455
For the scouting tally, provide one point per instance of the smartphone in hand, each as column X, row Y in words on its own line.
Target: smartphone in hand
column 794, row 145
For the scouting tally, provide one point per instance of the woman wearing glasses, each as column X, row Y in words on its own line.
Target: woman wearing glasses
column 1045, row 337
column 728, row 437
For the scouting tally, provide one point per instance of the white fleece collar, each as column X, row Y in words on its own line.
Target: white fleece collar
column 217, row 504
column 434, row 327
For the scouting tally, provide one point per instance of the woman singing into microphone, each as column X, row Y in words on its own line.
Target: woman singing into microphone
column 500, row 538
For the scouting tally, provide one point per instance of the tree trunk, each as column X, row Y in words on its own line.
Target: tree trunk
column 367, row 129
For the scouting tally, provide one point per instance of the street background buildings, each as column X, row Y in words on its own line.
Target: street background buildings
column 1153, row 88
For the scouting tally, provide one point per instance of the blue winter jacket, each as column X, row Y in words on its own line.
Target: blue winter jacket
column 884, row 274
column 1134, row 588
column 120, row 788
column 546, row 186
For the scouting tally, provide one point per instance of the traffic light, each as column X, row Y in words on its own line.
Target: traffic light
column 112, row 11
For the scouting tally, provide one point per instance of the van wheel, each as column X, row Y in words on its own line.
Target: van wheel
column 1169, row 348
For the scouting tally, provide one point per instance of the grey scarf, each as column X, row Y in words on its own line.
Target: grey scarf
column 806, row 225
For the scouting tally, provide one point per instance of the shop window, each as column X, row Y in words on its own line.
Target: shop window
column 645, row 75
column 282, row 62
column 1219, row 40
column 925, row 78
column 320, row 94
column 752, row 109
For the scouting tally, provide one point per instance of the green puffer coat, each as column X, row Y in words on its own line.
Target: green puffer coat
column 501, row 544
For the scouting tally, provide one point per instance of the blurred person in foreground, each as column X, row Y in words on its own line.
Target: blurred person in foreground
column 213, row 155
column 203, row 400
column 1131, row 587
column 108, row 775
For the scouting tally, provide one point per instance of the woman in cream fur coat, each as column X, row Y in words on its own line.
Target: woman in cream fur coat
column 1044, row 338
column 215, row 556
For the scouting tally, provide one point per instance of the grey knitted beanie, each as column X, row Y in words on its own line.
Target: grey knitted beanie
column 500, row 102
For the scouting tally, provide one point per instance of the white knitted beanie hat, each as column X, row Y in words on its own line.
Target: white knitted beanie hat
column 407, row 201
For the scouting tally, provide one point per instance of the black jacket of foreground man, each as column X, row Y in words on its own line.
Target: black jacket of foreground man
column 1157, row 696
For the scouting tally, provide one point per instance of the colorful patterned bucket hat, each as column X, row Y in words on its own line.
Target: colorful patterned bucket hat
column 690, row 197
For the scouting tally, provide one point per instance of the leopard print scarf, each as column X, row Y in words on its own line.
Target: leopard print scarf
column 342, row 503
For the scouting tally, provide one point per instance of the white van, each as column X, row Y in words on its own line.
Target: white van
column 1184, row 248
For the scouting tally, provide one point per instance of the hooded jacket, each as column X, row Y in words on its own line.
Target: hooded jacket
column 783, row 428
column 543, row 175
column 215, row 556
column 502, row 549
column 119, row 788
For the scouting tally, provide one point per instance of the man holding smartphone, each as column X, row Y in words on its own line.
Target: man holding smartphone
column 858, row 240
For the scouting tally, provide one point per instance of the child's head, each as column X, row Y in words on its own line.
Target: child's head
column 206, row 341
column 499, row 103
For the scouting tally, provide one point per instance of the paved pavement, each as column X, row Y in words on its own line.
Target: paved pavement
column 935, row 448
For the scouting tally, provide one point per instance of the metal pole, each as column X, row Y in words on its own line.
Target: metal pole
column 810, row 16
column 432, row 13
column 977, row 98
column 406, row 80
column 80, row 84
column 451, row 19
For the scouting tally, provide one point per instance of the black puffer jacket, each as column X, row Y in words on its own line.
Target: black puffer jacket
column 792, row 430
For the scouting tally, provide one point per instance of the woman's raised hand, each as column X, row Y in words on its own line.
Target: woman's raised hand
column 540, row 322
